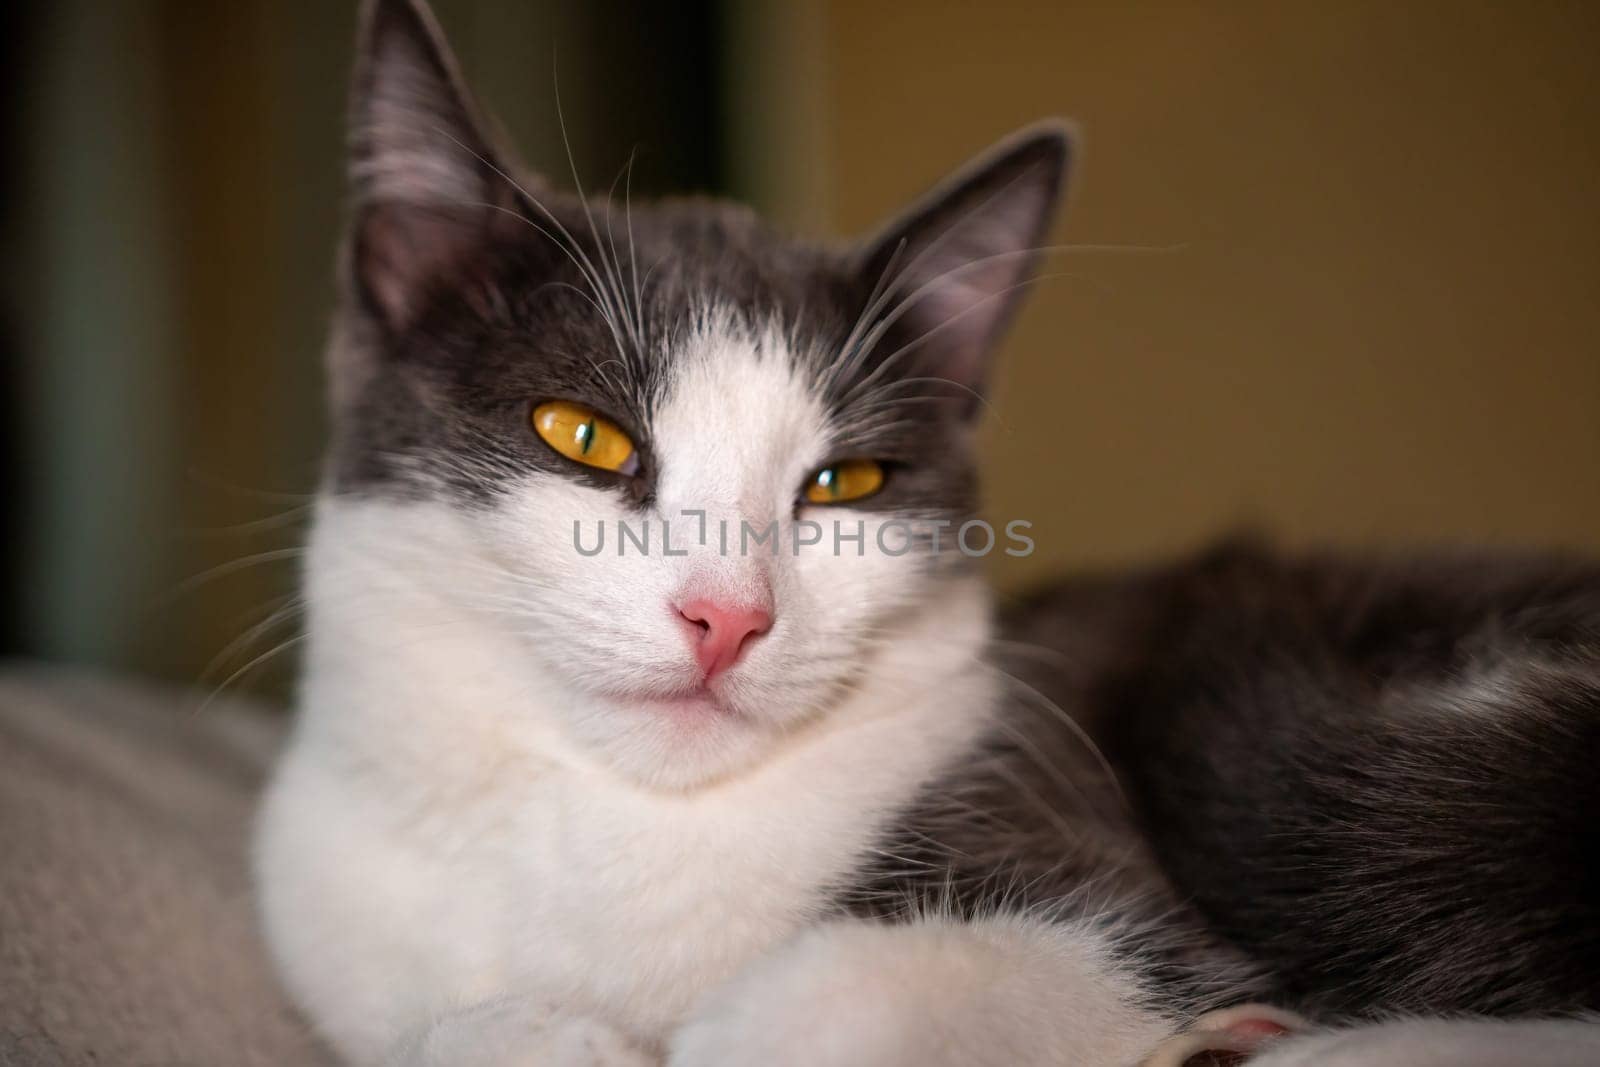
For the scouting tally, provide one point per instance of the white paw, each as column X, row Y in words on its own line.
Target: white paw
column 1443, row 1043
column 1003, row 991
column 516, row 1033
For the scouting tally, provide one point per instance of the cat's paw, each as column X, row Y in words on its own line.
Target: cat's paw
column 1227, row 1037
column 515, row 1033
column 1443, row 1043
column 1003, row 991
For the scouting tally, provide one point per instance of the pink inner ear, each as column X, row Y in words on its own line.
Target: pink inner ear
column 969, row 274
column 403, row 251
column 960, row 314
column 955, row 321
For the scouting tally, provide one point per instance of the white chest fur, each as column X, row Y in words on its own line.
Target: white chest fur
column 563, row 885
column 417, row 852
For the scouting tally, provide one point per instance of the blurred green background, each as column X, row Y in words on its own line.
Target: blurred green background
column 1356, row 302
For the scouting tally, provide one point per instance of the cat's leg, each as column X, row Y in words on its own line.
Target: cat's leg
column 1002, row 991
column 518, row 1032
column 1443, row 1043
column 395, row 957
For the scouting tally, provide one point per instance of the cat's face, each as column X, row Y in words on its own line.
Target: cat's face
column 770, row 442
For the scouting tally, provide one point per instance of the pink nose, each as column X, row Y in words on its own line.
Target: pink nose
column 719, row 632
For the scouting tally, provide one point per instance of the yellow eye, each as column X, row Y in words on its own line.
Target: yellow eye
column 580, row 434
column 849, row 480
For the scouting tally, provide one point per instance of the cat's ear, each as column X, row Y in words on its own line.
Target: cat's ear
column 426, row 182
column 954, row 266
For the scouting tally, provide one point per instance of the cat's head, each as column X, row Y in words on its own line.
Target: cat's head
column 518, row 373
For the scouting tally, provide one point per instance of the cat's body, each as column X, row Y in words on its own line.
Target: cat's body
column 1371, row 775
column 549, row 806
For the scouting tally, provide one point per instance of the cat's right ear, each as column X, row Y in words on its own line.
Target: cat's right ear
column 426, row 183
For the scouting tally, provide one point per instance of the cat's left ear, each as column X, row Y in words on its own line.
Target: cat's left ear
column 955, row 265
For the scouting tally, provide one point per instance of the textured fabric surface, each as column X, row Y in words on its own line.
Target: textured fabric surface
column 127, row 933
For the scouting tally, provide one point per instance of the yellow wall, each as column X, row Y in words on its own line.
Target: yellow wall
column 1376, row 319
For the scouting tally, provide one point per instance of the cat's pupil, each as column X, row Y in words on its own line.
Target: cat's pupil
column 586, row 437
column 828, row 480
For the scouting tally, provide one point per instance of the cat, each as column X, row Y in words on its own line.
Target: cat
column 800, row 795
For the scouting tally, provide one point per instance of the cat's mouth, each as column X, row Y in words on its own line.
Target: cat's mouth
column 684, row 702
column 700, row 704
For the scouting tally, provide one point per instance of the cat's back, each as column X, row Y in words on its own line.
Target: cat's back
column 1320, row 750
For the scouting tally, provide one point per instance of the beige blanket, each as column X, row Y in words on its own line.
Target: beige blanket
column 126, row 927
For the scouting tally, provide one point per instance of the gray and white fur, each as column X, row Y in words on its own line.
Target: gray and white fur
column 517, row 823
